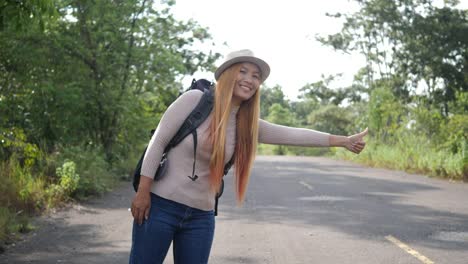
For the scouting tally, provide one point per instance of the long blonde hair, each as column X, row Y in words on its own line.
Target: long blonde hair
column 246, row 136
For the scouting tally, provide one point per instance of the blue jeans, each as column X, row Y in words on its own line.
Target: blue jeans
column 191, row 230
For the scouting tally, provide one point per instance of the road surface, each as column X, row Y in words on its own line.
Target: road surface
column 297, row 210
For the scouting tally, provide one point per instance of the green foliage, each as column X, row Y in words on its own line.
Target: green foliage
column 5, row 217
column 67, row 184
column 270, row 96
column 385, row 114
column 280, row 115
column 21, row 195
column 68, row 177
column 456, row 132
column 302, row 109
column 20, row 189
column 410, row 46
column 332, row 119
column 13, row 143
column 465, row 160
column 411, row 43
column 321, row 92
column 428, row 122
column 81, row 85
column 12, row 223
column 22, row 15
column 115, row 64
column 413, row 154
column 95, row 175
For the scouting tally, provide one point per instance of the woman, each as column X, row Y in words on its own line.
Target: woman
column 179, row 208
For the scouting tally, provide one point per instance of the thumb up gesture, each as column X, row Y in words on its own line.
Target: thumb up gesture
column 355, row 143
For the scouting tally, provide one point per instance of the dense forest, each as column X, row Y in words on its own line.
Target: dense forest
column 83, row 82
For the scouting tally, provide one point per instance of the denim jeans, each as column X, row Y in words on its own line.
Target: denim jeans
column 191, row 230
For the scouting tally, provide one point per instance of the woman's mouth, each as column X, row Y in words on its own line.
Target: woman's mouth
column 245, row 87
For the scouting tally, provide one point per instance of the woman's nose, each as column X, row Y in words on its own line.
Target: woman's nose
column 248, row 79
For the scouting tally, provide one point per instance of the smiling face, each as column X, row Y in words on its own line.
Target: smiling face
column 248, row 80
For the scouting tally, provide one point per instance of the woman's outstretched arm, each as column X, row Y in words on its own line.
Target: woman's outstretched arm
column 282, row 135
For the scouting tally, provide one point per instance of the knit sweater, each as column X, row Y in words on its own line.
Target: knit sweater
column 176, row 185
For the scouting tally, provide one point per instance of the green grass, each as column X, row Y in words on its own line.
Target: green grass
column 28, row 191
column 410, row 153
column 413, row 158
column 21, row 196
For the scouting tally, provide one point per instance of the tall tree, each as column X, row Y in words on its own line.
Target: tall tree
column 321, row 92
column 270, row 96
column 407, row 44
column 280, row 115
column 23, row 15
column 99, row 73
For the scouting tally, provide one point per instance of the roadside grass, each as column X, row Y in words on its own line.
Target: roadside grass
column 21, row 196
column 413, row 158
column 411, row 153
column 53, row 180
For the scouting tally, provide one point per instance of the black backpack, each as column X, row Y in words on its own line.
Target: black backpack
column 195, row 119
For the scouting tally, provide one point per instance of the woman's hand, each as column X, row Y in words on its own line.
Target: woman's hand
column 142, row 202
column 355, row 143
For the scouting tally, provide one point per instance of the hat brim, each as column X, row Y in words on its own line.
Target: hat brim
column 262, row 65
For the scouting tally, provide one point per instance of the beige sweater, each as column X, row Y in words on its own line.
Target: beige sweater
column 176, row 185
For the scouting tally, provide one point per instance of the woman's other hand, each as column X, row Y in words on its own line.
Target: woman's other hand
column 141, row 203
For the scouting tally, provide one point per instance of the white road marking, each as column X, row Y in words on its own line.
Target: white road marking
column 308, row 186
column 409, row 250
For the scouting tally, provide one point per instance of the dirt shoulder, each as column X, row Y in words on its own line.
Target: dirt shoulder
column 98, row 231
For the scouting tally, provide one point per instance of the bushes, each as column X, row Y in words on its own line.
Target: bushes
column 68, row 177
column 22, row 195
column 95, row 177
column 67, row 184
column 34, row 181
column 46, row 182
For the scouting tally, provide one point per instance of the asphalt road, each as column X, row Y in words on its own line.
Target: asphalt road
column 298, row 210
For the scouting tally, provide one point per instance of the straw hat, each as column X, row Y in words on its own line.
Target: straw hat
column 244, row 55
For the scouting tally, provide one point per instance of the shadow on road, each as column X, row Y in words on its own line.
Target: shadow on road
column 356, row 201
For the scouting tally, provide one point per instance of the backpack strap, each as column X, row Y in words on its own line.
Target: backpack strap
column 196, row 117
column 227, row 167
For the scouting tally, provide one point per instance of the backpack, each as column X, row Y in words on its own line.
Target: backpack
column 199, row 114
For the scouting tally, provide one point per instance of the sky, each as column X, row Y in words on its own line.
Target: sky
column 280, row 32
